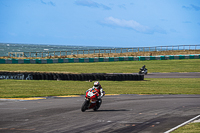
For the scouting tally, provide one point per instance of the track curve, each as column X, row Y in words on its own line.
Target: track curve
column 118, row 113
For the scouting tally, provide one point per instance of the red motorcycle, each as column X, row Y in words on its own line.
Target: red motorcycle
column 91, row 101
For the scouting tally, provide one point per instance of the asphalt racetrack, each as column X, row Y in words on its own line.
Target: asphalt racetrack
column 118, row 113
column 173, row 75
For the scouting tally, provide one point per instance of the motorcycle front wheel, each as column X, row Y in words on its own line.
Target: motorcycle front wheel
column 84, row 106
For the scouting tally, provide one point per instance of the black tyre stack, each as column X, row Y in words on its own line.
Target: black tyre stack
column 77, row 77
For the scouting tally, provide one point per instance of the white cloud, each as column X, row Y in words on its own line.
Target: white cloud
column 126, row 24
column 194, row 7
column 131, row 24
column 93, row 4
column 123, row 6
column 48, row 3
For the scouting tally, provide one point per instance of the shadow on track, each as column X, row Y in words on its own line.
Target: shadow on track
column 112, row 110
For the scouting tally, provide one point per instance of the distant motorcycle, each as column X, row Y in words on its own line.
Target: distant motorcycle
column 143, row 70
column 91, row 101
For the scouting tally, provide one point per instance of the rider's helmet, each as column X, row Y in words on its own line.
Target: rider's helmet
column 96, row 84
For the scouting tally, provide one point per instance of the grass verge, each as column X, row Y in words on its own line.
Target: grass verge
column 190, row 128
column 185, row 65
column 39, row 88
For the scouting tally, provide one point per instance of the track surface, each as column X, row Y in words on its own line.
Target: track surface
column 173, row 75
column 119, row 113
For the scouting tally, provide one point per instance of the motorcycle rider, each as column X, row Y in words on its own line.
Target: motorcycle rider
column 143, row 67
column 143, row 70
column 99, row 89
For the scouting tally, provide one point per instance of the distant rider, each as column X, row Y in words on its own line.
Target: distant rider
column 143, row 67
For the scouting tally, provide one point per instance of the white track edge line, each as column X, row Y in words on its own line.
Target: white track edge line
column 182, row 124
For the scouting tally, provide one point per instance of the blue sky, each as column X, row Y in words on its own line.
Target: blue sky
column 115, row 23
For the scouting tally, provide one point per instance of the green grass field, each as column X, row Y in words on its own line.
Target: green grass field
column 38, row 88
column 185, row 65
column 23, row 88
column 190, row 128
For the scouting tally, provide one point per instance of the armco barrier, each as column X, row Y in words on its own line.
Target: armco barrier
column 106, row 59
column 64, row 76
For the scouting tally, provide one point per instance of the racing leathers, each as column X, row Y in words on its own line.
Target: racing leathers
column 99, row 89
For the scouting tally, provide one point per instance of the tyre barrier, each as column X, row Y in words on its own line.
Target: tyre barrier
column 64, row 76
column 18, row 75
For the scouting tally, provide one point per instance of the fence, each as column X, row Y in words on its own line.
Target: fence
column 106, row 59
column 102, row 51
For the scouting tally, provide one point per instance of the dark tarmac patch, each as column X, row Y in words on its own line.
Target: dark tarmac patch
column 173, row 75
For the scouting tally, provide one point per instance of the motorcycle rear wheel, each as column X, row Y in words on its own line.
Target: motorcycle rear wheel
column 98, row 106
